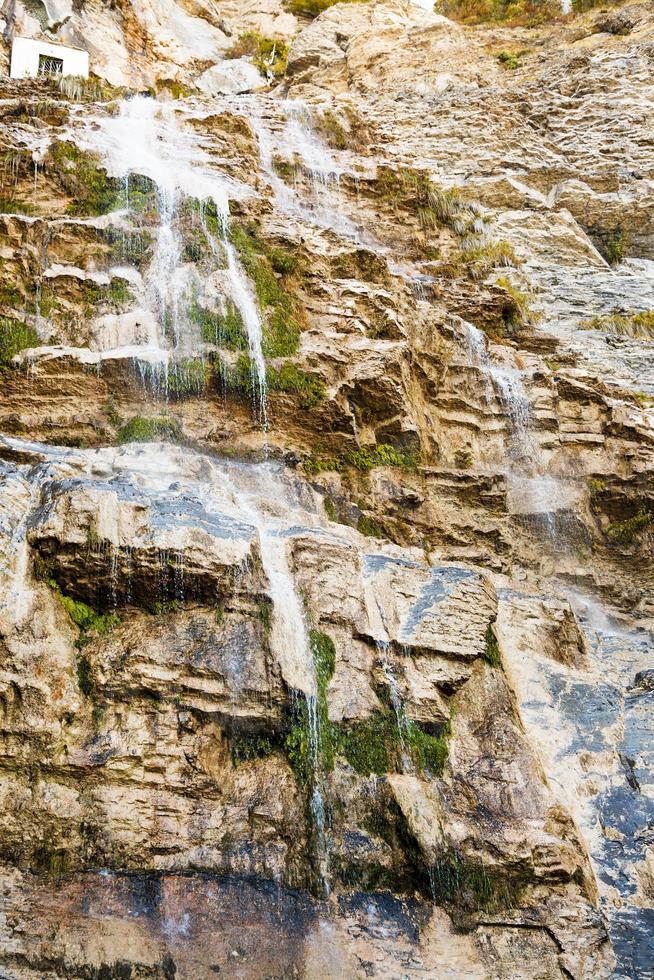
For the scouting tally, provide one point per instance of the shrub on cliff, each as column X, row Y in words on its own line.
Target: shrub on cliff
column 527, row 13
column 269, row 54
column 311, row 8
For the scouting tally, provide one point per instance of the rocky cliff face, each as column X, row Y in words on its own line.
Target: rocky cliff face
column 326, row 387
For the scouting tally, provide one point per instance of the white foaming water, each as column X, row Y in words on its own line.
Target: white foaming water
column 145, row 137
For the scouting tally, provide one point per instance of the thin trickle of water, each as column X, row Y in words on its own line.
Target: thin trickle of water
column 268, row 507
column 397, row 701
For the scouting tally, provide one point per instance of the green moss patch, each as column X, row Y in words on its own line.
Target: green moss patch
column 466, row 885
column 312, row 8
column 222, row 329
column 375, row 745
column 187, row 379
column 141, row 429
column 240, row 378
column 299, row 749
column 288, row 378
column 364, row 459
column 509, row 60
column 15, row 337
column 246, row 748
column 491, row 652
column 515, row 13
column 85, row 181
column 269, row 268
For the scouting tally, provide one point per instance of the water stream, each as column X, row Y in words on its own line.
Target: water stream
column 304, row 149
column 147, row 138
column 532, row 490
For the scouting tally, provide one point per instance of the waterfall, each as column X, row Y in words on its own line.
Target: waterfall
column 302, row 144
column 146, row 138
column 397, row 701
column 266, row 504
column 532, row 490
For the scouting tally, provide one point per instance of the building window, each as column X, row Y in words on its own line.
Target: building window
column 50, row 66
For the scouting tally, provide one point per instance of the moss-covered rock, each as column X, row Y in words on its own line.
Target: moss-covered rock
column 140, row 429
column 15, row 337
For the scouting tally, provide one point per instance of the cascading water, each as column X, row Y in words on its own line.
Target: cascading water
column 145, row 138
column 303, row 146
column 531, row 489
column 273, row 506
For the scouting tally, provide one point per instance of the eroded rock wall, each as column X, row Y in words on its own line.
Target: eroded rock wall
column 327, row 499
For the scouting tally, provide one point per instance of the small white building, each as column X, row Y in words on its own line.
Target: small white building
column 31, row 58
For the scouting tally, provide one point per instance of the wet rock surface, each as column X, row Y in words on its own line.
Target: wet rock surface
column 326, row 497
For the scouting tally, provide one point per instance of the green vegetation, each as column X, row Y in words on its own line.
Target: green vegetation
column 330, row 127
column 628, row 532
column 15, row 337
column 375, row 745
column 509, row 60
column 246, row 748
column 491, row 652
column 463, row 459
column 596, row 486
column 89, row 622
column 11, row 296
column 164, row 606
column 364, row 459
column 330, row 508
column 298, row 741
column 287, row 378
column 480, row 259
column 12, row 205
column 86, row 618
column 458, row 882
column 139, row 429
column 142, row 198
column 83, row 179
column 188, row 378
column 55, row 861
column 615, row 246
column 118, row 293
column 519, row 312
column 269, row 269
column 514, row 13
column 222, row 329
column 175, row 89
column 130, row 247
column 435, row 207
column 293, row 381
column 84, row 676
column 93, row 89
column 267, row 53
column 639, row 325
column 369, row 526
column 311, row 8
